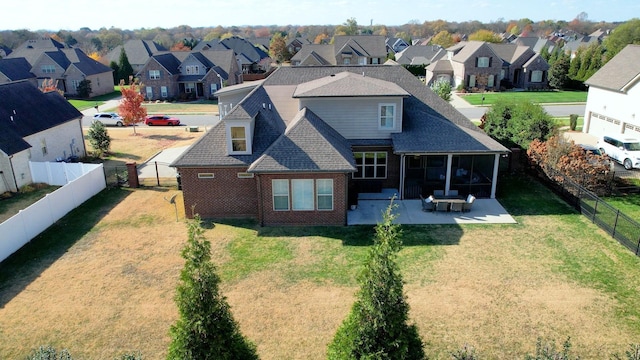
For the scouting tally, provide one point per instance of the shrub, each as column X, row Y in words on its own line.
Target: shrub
column 517, row 123
column 443, row 89
column 49, row 353
column 465, row 353
column 548, row 351
column 99, row 138
column 573, row 122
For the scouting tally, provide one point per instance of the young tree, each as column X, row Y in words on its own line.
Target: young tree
column 130, row 107
column 376, row 327
column 125, row 70
column 99, row 138
column 443, row 89
column 205, row 329
column 443, row 38
column 116, row 71
column 50, row 85
column 485, row 35
column 517, row 123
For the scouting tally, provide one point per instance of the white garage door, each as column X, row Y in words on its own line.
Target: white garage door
column 601, row 125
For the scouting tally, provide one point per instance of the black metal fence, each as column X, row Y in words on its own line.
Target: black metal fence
column 620, row 226
column 116, row 176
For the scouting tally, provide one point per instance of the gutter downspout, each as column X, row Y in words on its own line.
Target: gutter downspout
column 402, row 171
column 13, row 173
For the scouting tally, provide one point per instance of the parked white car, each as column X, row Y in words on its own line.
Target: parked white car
column 109, row 119
column 625, row 150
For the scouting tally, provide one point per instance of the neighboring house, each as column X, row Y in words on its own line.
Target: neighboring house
column 395, row 45
column 300, row 146
column 294, row 45
column 420, row 55
column 183, row 75
column 4, row 51
column 478, row 65
column 534, row 43
column 252, row 59
column 138, row 53
column 17, row 69
column 345, row 50
column 66, row 66
column 613, row 101
column 35, row 126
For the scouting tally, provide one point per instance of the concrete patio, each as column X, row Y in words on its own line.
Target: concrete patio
column 484, row 211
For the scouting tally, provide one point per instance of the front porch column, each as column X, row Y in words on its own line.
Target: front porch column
column 402, row 174
column 494, row 179
column 448, row 177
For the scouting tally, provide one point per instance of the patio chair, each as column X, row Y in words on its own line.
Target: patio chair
column 427, row 204
column 438, row 192
column 453, row 193
column 442, row 206
column 466, row 207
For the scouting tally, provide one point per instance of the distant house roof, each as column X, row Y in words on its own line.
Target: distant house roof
column 425, row 54
column 138, row 51
column 84, row 63
column 25, row 110
column 33, row 49
column 16, row 69
column 372, row 46
column 620, row 73
column 511, row 52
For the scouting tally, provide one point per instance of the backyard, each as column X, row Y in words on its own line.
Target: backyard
column 102, row 281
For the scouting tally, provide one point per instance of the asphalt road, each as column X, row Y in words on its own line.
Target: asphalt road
column 185, row 120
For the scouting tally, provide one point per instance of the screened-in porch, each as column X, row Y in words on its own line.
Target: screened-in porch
column 449, row 174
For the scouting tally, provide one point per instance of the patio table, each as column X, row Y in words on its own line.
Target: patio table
column 449, row 202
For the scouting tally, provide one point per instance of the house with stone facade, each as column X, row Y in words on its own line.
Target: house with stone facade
column 345, row 50
column 298, row 148
column 35, row 126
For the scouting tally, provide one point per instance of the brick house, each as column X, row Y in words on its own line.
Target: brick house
column 345, row 50
column 300, row 146
column 197, row 74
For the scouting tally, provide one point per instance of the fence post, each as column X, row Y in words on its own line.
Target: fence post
column 157, row 175
column 615, row 224
column 638, row 247
column 595, row 210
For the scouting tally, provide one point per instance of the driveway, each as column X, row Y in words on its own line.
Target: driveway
column 161, row 161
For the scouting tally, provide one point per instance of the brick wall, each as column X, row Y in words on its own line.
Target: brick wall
column 337, row 216
column 223, row 196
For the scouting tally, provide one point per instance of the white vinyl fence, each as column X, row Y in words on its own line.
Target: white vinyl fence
column 79, row 183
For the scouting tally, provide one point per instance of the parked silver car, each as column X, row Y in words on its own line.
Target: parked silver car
column 109, row 119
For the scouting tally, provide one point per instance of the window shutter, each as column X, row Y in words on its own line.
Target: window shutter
column 490, row 60
column 530, row 74
column 476, row 61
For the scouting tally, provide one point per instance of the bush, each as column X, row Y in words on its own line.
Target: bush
column 49, row 353
column 517, row 123
column 443, row 89
column 99, row 138
column 573, row 122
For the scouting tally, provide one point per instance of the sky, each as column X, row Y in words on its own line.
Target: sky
column 136, row 14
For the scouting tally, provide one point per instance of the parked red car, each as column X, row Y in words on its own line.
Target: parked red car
column 161, row 120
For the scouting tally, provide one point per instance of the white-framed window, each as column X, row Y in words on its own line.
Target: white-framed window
column 483, row 62
column 149, row 90
column 205, row 176
column 370, row 165
column 48, row 69
column 324, row 194
column 280, row 194
column 375, row 60
column 238, row 139
column 386, row 116
column 75, row 84
column 472, row 80
column 192, row 69
column 536, row 76
column 214, row 88
column 245, row 175
column 302, row 194
column 163, row 91
column 154, row 74
column 189, row 87
column 362, row 60
column 490, row 81
column 346, row 61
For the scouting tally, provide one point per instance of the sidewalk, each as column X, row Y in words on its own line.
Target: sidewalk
column 108, row 106
column 458, row 102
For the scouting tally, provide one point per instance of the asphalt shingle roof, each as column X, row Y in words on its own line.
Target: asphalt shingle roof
column 619, row 72
column 16, row 69
column 308, row 145
column 25, row 110
column 348, row 84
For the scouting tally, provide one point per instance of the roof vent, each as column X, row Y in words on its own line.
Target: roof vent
column 363, row 73
column 333, row 74
column 264, row 106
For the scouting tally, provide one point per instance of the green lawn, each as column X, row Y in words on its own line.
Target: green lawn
column 628, row 204
column 540, row 97
column 93, row 102
column 563, row 122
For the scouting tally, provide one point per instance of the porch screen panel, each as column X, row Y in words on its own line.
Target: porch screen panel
column 302, row 191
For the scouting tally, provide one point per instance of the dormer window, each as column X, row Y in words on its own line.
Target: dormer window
column 483, row 62
column 386, row 116
column 193, row 70
column 154, row 74
column 239, row 138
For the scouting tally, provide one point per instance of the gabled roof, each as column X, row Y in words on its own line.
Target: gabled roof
column 536, row 58
column 428, row 53
column 16, row 69
column 511, row 52
column 245, row 48
column 25, row 110
column 620, row 73
column 465, row 50
column 138, row 51
column 361, row 45
column 308, row 145
column 372, row 45
column 315, row 54
column 348, row 84
column 169, row 62
column 84, row 63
